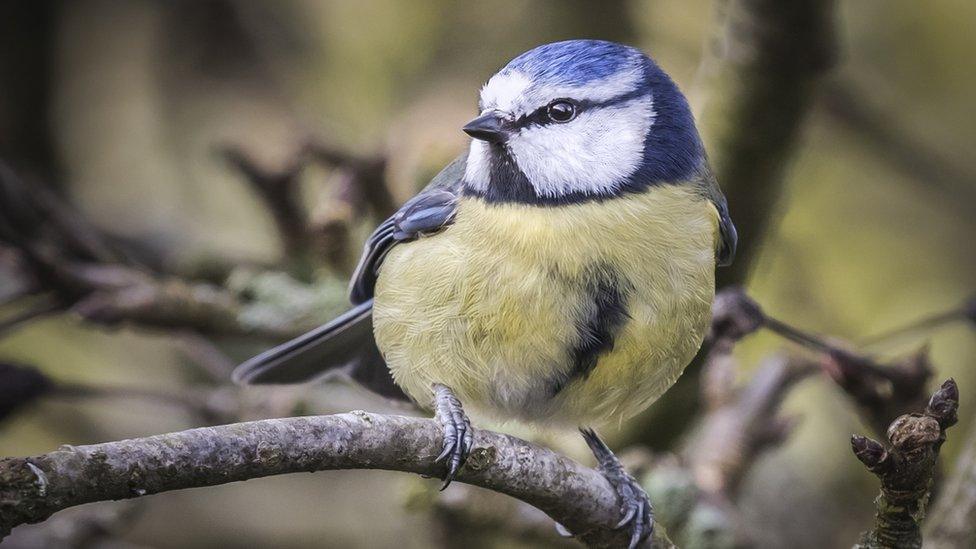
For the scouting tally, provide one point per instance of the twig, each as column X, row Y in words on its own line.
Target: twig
column 117, row 294
column 906, row 469
column 32, row 213
column 699, row 488
column 33, row 488
column 882, row 391
column 800, row 337
column 281, row 193
column 324, row 234
column 967, row 311
column 740, row 426
column 77, row 274
column 367, row 171
column 739, row 422
column 71, row 263
column 736, row 315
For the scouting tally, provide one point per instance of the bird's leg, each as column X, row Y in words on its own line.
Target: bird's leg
column 458, row 435
column 636, row 510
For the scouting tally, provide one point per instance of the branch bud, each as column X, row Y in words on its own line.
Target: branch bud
column 944, row 404
column 870, row 452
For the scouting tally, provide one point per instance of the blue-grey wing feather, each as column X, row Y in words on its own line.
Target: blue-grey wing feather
column 346, row 345
column 428, row 212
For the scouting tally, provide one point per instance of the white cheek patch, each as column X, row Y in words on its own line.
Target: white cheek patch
column 477, row 171
column 593, row 154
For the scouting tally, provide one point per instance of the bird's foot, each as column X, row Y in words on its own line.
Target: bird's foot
column 636, row 511
column 458, row 435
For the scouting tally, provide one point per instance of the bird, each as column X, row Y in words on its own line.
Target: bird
column 559, row 272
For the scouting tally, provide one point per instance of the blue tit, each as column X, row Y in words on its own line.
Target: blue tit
column 559, row 271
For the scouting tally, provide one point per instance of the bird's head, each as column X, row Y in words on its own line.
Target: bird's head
column 578, row 120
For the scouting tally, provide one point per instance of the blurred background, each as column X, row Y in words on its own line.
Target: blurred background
column 171, row 127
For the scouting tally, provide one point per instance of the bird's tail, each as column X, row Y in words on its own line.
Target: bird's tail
column 343, row 346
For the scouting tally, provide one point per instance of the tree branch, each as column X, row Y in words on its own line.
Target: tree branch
column 33, row 488
column 281, row 194
column 116, row 294
column 70, row 265
column 739, row 426
column 906, row 469
column 367, row 174
column 881, row 390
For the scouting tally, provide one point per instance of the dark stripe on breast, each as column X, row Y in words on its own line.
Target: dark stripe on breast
column 605, row 313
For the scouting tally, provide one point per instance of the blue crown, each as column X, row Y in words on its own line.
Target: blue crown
column 673, row 150
column 576, row 62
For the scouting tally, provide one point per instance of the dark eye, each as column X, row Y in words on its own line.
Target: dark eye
column 561, row 111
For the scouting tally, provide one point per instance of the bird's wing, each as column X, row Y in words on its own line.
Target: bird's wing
column 728, row 237
column 346, row 345
column 428, row 212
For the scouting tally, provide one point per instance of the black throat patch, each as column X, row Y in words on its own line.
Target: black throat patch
column 507, row 183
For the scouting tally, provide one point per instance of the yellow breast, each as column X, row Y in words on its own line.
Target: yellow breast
column 492, row 305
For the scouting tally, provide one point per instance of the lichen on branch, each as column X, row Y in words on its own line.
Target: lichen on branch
column 578, row 497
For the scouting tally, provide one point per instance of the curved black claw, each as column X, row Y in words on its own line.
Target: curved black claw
column 636, row 511
column 458, row 435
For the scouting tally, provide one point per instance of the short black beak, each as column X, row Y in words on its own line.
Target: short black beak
column 492, row 127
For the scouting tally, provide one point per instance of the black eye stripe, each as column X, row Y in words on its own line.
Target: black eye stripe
column 540, row 116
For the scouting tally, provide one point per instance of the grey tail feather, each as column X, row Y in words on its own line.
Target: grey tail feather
column 343, row 346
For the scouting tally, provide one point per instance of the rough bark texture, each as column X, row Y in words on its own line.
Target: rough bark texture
column 906, row 469
column 33, row 488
